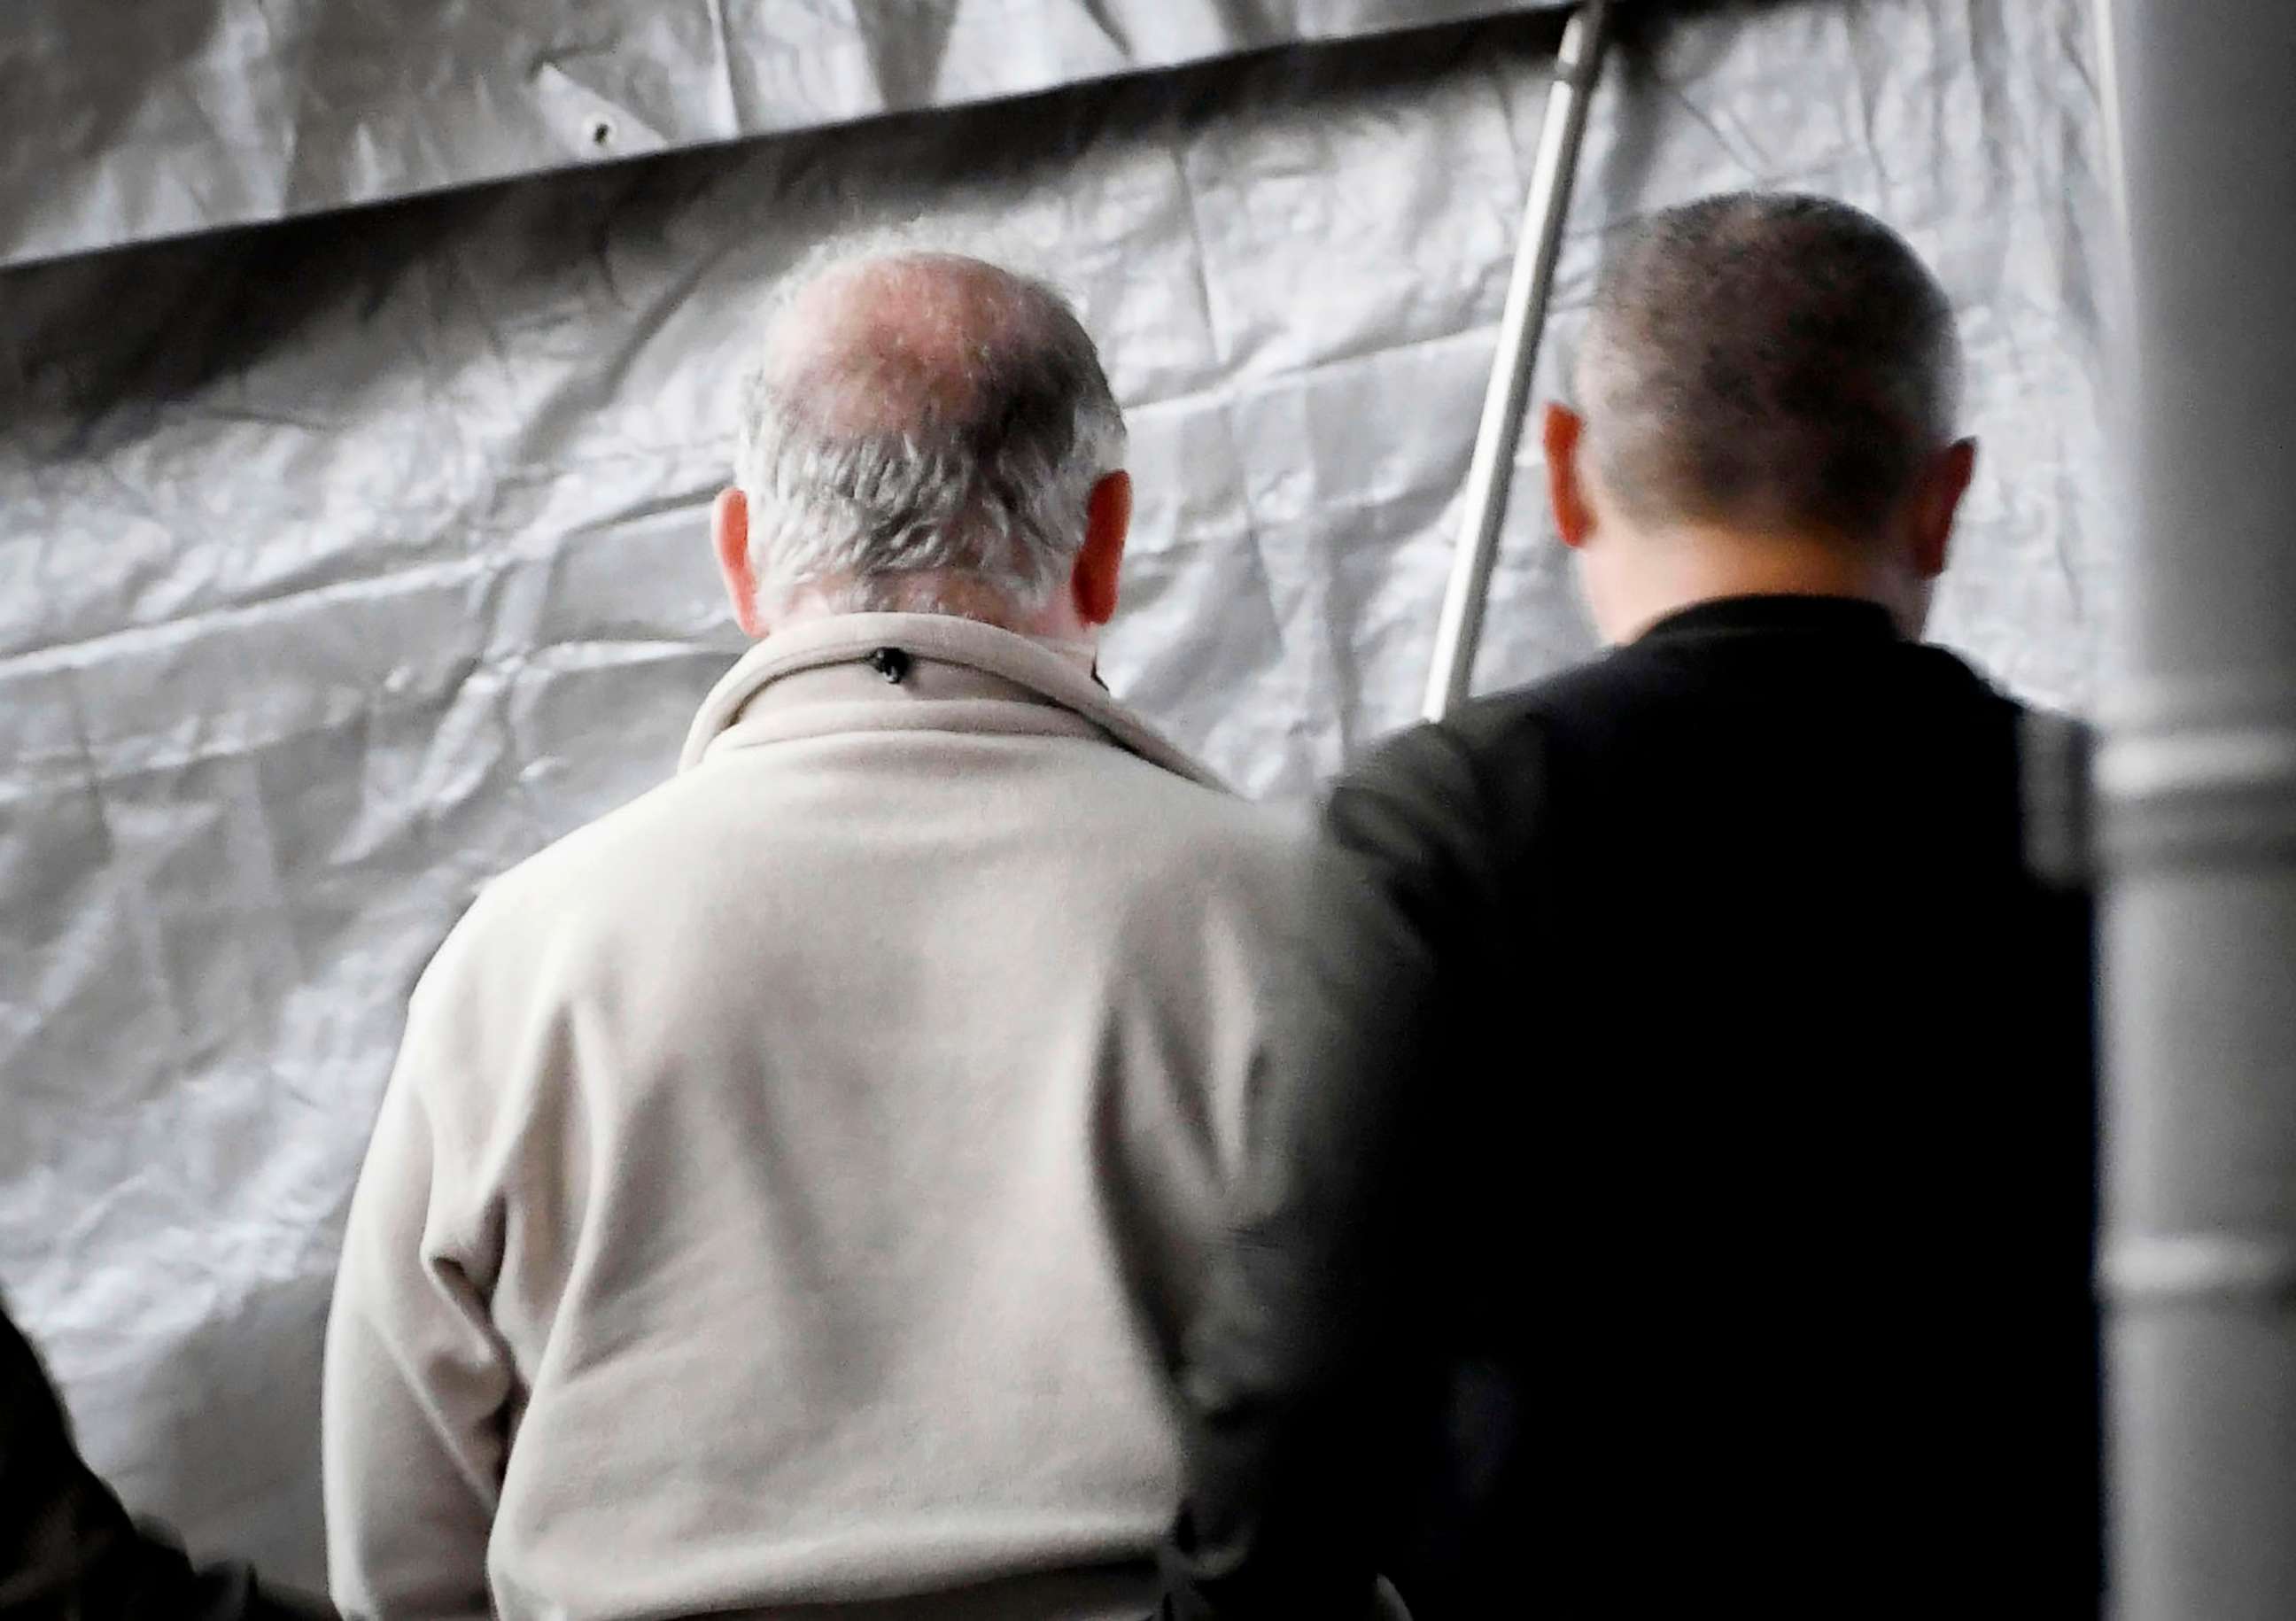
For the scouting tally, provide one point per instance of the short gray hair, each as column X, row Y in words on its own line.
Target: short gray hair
column 944, row 449
column 1769, row 358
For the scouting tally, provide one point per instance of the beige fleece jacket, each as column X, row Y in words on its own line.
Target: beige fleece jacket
column 791, row 1186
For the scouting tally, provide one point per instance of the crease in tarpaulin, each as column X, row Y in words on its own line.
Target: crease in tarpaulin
column 1228, row 388
column 88, row 1216
column 1255, row 539
column 134, row 756
column 1862, row 65
column 1754, row 162
column 1254, row 536
column 1987, row 32
column 253, row 836
column 511, row 605
column 1297, row 609
column 64, row 655
column 1102, row 16
column 359, row 169
column 1200, row 258
column 1051, row 48
column 906, row 61
column 668, row 300
column 729, row 103
column 1522, row 144
column 289, row 116
column 72, row 966
column 114, row 863
column 694, row 501
column 188, row 626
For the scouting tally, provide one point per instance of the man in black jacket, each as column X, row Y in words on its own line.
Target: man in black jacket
column 1678, row 1192
column 69, row 1552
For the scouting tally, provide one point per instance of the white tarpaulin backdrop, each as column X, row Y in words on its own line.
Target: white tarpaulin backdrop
column 346, row 560
column 124, row 124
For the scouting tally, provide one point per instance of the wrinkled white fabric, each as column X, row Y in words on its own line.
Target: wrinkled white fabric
column 348, row 561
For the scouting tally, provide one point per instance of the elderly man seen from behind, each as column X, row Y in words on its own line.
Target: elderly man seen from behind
column 790, row 1185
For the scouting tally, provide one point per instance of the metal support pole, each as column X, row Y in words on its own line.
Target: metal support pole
column 2198, row 785
column 1459, row 631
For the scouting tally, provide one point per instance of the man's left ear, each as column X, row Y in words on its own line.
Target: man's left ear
column 1939, row 505
column 1108, row 522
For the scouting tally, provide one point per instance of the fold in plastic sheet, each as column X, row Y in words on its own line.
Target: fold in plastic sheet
column 125, row 123
column 345, row 562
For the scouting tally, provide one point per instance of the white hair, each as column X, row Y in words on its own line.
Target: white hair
column 926, row 442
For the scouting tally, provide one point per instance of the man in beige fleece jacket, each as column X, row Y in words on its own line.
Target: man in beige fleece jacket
column 792, row 1185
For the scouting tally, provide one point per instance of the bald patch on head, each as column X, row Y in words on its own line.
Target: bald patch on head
column 889, row 344
column 916, row 413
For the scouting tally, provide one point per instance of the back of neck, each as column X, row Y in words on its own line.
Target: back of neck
column 1684, row 568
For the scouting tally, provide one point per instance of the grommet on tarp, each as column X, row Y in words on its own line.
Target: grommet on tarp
column 891, row 663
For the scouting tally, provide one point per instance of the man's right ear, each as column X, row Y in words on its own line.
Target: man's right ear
column 1564, row 431
column 1108, row 522
column 729, row 536
column 1937, row 503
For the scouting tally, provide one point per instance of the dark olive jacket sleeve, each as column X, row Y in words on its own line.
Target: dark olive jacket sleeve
column 70, row 1550
column 1291, row 1352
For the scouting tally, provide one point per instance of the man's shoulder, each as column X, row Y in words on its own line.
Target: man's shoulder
column 1518, row 717
column 1186, row 837
column 1197, row 810
column 598, row 848
column 1501, row 746
column 1625, row 681
column 653, row 855
column 1498, row 736
column 1595, row 687
column 592, row 870
column 1512, row 721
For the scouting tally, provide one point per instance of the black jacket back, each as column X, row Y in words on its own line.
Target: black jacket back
column 1681, row 1173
